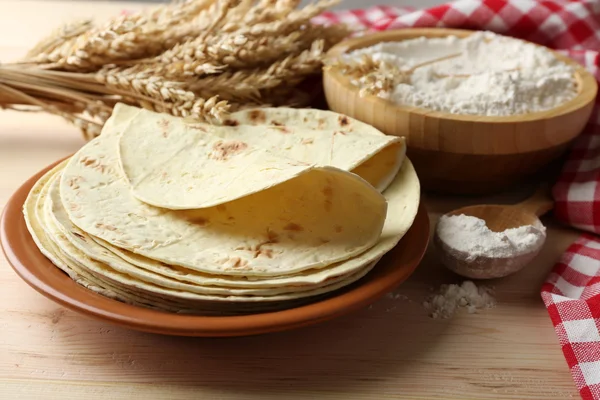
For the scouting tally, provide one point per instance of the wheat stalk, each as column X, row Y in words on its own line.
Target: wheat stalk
column 123, row 38
column 58, row 37
column 177, row 12
column 191, row 58
column 376, row 77
column 290, row 70
column 291, row 22
column 188, row 58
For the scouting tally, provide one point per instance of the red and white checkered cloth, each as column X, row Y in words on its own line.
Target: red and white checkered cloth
column 572, row 290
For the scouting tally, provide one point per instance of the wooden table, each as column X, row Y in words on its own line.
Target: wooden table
column 390, row 350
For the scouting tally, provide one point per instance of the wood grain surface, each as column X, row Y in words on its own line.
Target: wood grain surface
column 391, row 350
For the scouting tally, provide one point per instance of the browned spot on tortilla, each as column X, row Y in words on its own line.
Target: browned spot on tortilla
column 74, row 182
column 282, row 129
column 163, row 124
column 321, row 123
column 276, row 123
column 339, row 133
column 105, row 226
column 230, row 122
column 343, row 120
column 198, row 127
column 257, row 116
column 259, row 249
column 164, row 264
column 88, row 161
column 263, row 252
column 80, row 236
column 74, row 206
column 93, row 163
column 338, row 228
column 221, row 208
column 230, row 218
column 272, row 237
column 223, row 150
column 324, row 241
column 238, row 262
column 199, row 221
column 293, row 227
column 307, row 141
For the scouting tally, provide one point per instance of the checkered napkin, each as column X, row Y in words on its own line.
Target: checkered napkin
column 572, row 291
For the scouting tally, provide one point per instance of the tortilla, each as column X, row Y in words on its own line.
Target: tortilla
column 33, row 214
column 177, row 165
column 32, row 222
column 322, row 138
column 174, row 165
column 323, row 216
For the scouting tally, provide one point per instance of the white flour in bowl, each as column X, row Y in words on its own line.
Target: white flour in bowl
column 487, row 74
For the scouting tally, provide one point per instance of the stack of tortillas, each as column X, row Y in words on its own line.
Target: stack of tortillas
column 270, row 209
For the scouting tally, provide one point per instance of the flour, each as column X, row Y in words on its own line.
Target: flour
column 471, row 236
column 451, row 297
column 490, row 74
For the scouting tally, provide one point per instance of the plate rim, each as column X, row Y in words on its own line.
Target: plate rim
column 381, row 280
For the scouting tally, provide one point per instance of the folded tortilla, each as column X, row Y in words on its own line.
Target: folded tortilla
column 171, row 164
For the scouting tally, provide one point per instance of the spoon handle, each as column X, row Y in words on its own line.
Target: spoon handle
column 538, row 203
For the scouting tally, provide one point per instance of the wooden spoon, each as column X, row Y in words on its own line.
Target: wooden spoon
column 498, row 218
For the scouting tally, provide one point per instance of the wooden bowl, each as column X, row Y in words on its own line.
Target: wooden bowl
column 37, row 271
column 465, row 154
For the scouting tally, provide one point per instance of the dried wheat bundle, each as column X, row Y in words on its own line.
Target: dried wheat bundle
column 190, row 58
column 374, row 77
column 377, row 77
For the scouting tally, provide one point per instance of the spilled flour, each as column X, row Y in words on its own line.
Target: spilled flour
column 482, row 74
column 449, row 298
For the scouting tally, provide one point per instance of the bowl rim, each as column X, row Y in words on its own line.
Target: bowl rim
column 39, row 273
column 587, row 84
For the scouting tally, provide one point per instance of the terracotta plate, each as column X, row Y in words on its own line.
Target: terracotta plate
column 43, row 276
